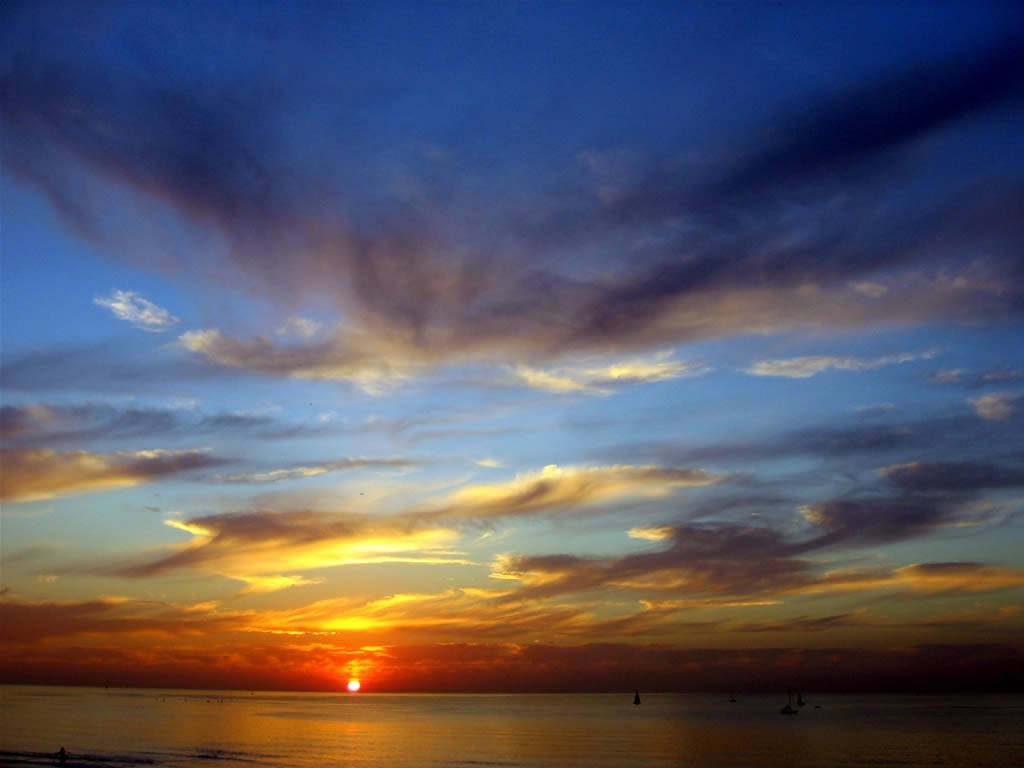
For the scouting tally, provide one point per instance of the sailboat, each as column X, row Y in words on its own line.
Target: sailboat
column 788, row 709
column 800, row 699
column 636, row 697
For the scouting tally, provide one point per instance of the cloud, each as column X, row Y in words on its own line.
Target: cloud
column 882, row 519
column 44, row 474
column 744, row 561
column 953, row 476
column 867, row 122
column 853, row 442
column 979, row 379
column 949, row 376
column 873, row 290
column 996, row 407
column 253, row 545
column 462, row 665
column 805, row 367
column 239, row 544
column 56, row 423
column 557, row 488
column 715, row 559
column 140, row 312
column 803, row 624
column 918, row 579
column 723, row 260
column 455, row 614
column 314, row 470
column 33, row 622
column 342, row 358
column 604, row 379
column 958, row 577
column 303, row 327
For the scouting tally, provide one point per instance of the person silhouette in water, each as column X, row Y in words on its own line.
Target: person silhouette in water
column 62, row 756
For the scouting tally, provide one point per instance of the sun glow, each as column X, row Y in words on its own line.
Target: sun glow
column 353, row 686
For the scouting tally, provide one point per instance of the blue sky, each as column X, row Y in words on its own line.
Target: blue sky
column 437, row 327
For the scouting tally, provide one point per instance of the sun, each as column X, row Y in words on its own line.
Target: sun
column 353, row 685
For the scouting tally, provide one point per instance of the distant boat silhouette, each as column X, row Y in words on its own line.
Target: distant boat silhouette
column 788, row 709
column 636, row 697
column 732, row 699
column 800, row 699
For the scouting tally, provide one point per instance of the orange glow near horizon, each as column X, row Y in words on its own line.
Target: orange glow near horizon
column 353, row 686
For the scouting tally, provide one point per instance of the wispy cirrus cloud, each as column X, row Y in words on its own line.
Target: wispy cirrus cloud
column 43, row 474
column 57, row 423
column 316, row 469
column 920, row 579
column 603, row 379
column 137, row 310
column 805, row 367
column 564, row 489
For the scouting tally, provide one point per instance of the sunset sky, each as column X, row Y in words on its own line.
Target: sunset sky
column 512, row 346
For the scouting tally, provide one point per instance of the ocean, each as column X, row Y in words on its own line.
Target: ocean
column 165, row 728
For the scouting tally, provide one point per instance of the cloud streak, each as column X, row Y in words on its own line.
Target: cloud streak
column 140, row 312
column 43, row 474
column 805, row 367
column 315, row 470
column 252, row 545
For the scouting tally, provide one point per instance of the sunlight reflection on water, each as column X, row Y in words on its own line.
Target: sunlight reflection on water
column 190, row 728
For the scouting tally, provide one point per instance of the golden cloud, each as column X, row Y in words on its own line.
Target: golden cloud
column 44, row 474
column 565, row 488
column 270, row 550
column 603, row 379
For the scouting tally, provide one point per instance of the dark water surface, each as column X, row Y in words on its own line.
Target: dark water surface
column 128, row 727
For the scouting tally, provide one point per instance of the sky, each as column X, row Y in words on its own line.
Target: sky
column 512, row 346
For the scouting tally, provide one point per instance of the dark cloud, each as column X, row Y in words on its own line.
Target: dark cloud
column 954, row 476
column 880, row 519
column 199, row 148
column 49, row 424
column 536, row 667
column 214, row 155
column 941, row 435
column 701, row 559
column 865, row 123
column 721, row 558
column 34, row 622
column 802, row 624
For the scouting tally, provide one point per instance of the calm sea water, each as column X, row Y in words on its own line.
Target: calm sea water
column 124, row 727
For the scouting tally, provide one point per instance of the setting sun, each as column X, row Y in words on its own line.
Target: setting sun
column 353, row 685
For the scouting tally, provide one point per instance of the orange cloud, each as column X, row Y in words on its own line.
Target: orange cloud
column 565, row 488
column 269, row 550
column 44, row 474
